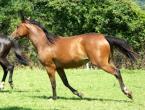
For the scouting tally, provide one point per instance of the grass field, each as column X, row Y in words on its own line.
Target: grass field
column 101, row 91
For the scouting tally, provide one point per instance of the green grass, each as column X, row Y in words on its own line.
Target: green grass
column 101, row 91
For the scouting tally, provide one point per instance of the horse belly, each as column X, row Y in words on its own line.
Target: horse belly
column 71, row 64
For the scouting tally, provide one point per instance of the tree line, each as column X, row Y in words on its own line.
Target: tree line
column 120, row 18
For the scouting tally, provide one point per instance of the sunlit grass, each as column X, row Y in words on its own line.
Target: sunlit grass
column 101, row 91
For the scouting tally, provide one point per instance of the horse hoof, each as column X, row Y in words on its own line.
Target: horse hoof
column 1, row 89
column 12, row 86
column 1, row 86
column 80, row 95
column 54, row 97
column 129, row 95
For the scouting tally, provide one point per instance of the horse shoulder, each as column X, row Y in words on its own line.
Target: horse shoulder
column 45, row 56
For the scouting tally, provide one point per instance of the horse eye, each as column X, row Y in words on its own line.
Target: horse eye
column 17, row 27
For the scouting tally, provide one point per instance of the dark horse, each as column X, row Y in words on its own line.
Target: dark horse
column 58, row 53
column 5, row 46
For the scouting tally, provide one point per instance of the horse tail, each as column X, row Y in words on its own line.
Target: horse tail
column 21, row 59
column 122, row 46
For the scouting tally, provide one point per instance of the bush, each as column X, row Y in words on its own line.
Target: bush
column 120, row 18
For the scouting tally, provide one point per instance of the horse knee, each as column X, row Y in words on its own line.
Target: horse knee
column 10, row 67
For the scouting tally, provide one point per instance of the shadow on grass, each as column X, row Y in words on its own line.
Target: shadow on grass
column 9, row 91
column 85, row 98
column 14, row 108
column 19, row 91
column 4, row 91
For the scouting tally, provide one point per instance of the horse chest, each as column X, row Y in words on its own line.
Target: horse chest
column 45, row 59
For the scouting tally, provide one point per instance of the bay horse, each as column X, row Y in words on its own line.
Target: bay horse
column 6, row 44
column 57, row 53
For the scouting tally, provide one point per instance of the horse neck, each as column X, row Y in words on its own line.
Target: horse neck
column 38, row 39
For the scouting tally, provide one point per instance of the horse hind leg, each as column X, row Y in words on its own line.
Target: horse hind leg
column 7, row 67
column 100, row 58
column 116, row 72
column 11, row 69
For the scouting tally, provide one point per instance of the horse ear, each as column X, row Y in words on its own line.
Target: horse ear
column 21, row 14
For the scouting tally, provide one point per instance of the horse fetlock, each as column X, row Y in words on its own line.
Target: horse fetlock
column 127, row 93
column 11, row 85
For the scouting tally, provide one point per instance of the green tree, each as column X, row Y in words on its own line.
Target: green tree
column 120, row 18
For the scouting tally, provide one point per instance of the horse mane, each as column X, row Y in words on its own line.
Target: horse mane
column 51, row 37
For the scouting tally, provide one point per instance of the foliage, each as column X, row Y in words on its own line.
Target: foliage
column 121, row 18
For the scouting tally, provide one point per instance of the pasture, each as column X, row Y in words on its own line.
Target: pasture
column 101, row 91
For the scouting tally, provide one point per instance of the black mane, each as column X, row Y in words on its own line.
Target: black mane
column 51, row 37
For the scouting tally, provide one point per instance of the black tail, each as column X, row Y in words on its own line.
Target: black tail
column 21, row 59
column 122, row 46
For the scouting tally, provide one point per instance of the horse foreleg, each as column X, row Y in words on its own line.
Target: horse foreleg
column 4, row 76
column 63, row 77
column 116, row 72
column 51, row 74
